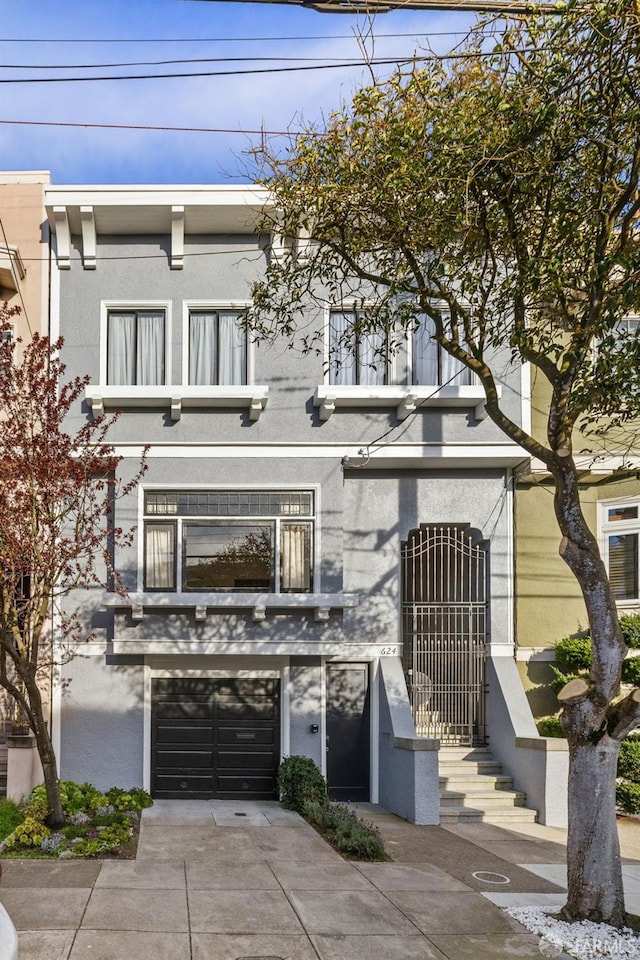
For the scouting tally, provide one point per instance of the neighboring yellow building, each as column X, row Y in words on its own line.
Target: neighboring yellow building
column 549, row 604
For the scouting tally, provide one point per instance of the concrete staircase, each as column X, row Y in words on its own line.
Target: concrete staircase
column 473, row 788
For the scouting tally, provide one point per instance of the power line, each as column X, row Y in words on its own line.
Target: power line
column 396, row 61
column 159, row 63
column 140, row 126
column 156, row 40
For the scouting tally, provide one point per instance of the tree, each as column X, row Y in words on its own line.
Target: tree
column 496, row 192
column 56, row 535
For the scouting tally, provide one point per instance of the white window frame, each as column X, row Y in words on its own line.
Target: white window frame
column 609, row 528
column 406, row 397
column 214, row 305
column 174, row 396
column 350, row 307
column 106, row 307
column 198, row 597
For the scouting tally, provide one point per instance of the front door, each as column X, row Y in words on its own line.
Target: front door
column 348, row 737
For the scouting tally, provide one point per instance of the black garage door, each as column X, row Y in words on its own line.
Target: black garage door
column 215, row 739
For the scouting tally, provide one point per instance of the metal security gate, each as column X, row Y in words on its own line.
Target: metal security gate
column 444, row 624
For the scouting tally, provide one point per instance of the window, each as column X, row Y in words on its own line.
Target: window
column 621, row 529
column 135, row 347
column 430, row 363
column 356, row 355
column 217, row 348
column 227, row 540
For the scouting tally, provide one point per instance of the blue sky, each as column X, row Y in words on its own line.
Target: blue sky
column 38, row 36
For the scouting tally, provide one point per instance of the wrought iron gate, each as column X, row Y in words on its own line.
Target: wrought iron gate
column 444, row 624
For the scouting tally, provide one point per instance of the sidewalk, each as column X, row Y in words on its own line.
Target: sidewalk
column 249, row 881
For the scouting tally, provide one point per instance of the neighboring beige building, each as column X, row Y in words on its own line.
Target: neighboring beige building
column 549, row 604
column 24, row 283
column 24, row 249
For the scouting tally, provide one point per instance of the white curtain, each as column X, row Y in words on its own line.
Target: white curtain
column 150, row 360
column 135, row 348
column 295, row 558
column 121, row 349
column 372, row 360
column 217, row 349
column 342, row 367
column 432, row 364
column 233, row 348
column 425, row 353
column 203, row 359
column 160, row 554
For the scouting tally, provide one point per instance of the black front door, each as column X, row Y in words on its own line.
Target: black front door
column 348, row 740
column 215, row 739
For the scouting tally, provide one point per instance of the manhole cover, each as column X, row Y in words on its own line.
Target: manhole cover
column 485, row 876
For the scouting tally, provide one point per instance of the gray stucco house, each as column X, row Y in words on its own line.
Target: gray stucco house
column 322, row 561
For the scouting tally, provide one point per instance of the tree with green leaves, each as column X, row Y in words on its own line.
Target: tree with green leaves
column 497, row 192
column 57, row 492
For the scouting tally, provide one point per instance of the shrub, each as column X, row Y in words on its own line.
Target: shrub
column 347, row 831
column 628, row 797
column 631, row 671
column 630, row 626
column 29, row 833
column 629, row 760
column 11, row 816
column 300, row 782
column 133, row 799
column 550, row 727
column 574, row 653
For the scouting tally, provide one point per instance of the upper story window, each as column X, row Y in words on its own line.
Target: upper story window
column 430, row 364
column 136, row 347
column 228, row 540
column 357, row 357
column 621, row 530
column 217, row 348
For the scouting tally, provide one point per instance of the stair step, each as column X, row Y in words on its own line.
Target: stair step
column 470, row 781
column 471, row 767
column 494, row 815
column 482, row 798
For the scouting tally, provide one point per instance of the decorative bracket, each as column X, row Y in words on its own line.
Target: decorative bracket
column 201, row 613
column 177, row 238
column 63, row 237
column 327, row 407
column 321, row 614
column 137, row 611
column 259, row 613
column 88, row 222
column 407, row 407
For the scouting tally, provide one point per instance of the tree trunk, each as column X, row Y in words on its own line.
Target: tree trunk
column 46, row 753
column 594, row 872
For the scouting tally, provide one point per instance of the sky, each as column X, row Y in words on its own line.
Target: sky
column 86, row 36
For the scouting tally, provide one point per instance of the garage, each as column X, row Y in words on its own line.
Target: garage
column 215, row 738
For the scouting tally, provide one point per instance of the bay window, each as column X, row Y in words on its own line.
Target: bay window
column 231, row 541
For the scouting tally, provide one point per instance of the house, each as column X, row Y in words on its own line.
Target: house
column 322, row 561
column 549, row 604
column 24, row 283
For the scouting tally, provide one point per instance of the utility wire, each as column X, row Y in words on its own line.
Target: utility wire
column 160, row 63
column 395, row 61
column 156, row 40
column 139, row 126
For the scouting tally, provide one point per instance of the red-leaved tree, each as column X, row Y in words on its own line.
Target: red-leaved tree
column 57, row 491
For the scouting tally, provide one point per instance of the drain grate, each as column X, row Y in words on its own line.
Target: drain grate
column 244, row 815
